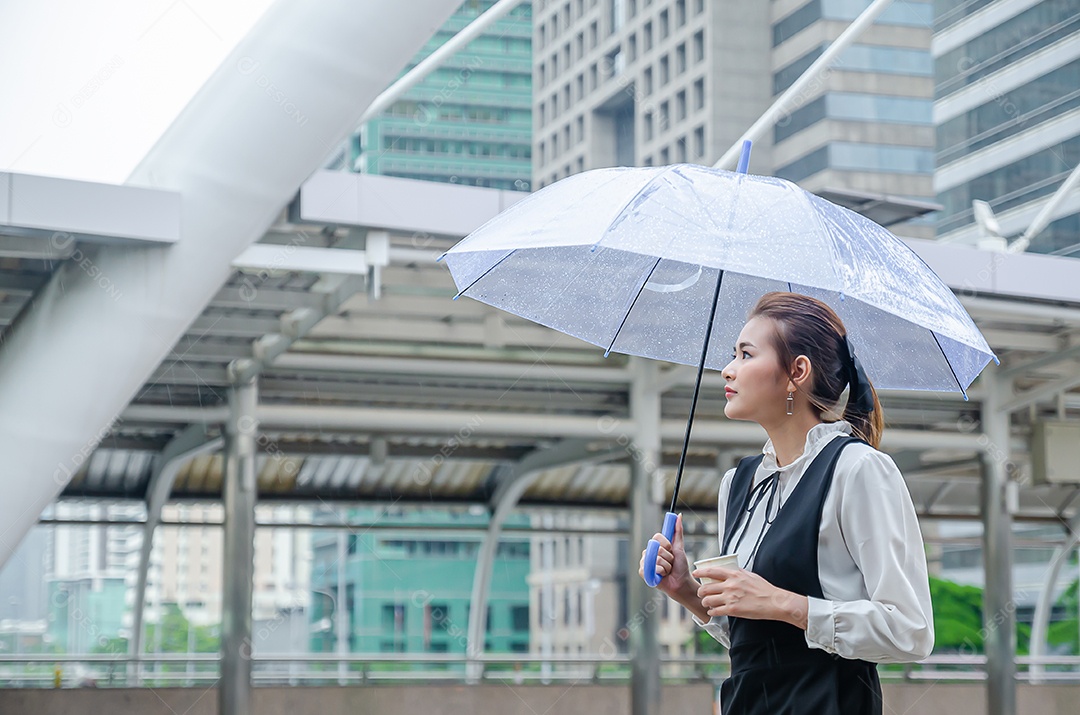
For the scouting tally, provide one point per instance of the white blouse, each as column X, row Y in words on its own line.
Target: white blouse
column 871, row 561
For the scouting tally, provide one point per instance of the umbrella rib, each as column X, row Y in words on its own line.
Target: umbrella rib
column 629, row 203
column 697, row 389
column 954, row 377
column 631, row 308
column 481, row 276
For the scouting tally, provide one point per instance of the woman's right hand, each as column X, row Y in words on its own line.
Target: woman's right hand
column 672, row 565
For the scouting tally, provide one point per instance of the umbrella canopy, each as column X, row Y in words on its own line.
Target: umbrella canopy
column 628, row 259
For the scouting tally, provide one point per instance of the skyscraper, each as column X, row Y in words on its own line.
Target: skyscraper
column 467, row 122
column 637, row 82
column 866, row 124
column 653, row 82
column 1007, row 108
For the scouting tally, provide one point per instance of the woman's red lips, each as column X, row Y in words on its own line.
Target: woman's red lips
column 728, row 392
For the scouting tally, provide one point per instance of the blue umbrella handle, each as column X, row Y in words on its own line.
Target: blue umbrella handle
column 649, row 572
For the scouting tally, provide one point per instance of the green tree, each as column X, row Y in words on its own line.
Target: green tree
column 958, row 619
column 1064, row 636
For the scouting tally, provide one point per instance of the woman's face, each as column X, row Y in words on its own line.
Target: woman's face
column 756, row 386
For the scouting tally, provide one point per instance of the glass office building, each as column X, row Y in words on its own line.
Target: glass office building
column 1007, row 108
column 865, row 125
column 470, row 120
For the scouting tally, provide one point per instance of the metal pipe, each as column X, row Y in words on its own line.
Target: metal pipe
column 234, row 693
column 341, row 611
column 647, row 494
column 784, row 101
column 726, row 432
column 999, row 607
column 323, row 362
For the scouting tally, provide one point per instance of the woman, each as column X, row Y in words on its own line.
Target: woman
column 833, row 574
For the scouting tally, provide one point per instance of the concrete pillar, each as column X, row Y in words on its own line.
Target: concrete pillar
column 234, row 691
column 646, row 518
column 999, row 607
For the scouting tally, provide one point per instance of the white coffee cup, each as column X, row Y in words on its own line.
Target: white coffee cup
column 727, row 561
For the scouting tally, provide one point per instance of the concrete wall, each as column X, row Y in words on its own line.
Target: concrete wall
column 970, row 698
column 925, row 698
column 570, row 699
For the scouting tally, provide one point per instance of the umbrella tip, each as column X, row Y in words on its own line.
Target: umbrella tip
column 439, row 259
column 606, row 353
column 744, row 158
column 996, row 361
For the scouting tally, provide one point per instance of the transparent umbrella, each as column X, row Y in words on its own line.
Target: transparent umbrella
column 666, row 262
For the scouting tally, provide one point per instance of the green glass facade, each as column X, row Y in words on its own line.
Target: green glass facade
column 470, row 120
column 411, row 594
column 85, row 615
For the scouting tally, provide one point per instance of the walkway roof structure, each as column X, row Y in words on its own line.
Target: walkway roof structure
column 400, row 393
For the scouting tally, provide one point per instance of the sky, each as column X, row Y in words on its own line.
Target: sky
column 87, row 88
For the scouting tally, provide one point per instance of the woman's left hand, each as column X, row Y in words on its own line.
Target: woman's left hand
column 744, row 594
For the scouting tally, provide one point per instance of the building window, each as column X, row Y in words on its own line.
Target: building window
column 593, row 77
column 680, row 13
column 665, row 157
column 699, row 46
column 580, row 87
column 665, row 71
column 699, row 7
column 699, row 93
column 594, row 36
column 665, row 117
column 665, row 25
column 647, row 121
column 580, row 129
column 699, row 142
column 646, row 36
column 680, row 156
column 680, row 59
column 647, row 81
column 680, row 106
column 631, row 48
column 579, row 45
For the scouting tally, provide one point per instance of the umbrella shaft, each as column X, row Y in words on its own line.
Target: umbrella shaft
column 697, row 389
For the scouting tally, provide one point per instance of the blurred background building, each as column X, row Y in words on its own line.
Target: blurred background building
column 468, row 121
column 1007, row 110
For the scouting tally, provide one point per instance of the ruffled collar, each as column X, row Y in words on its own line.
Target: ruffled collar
column 818, row 435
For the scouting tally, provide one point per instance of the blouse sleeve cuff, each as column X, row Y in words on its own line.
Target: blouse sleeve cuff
column 820, row 624
column 716, row 627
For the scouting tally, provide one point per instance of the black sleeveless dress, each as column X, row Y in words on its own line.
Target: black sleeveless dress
column 773, row 670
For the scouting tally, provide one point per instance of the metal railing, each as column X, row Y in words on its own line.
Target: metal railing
column 202, row 669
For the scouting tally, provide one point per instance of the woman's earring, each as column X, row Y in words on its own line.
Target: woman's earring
column 791, row 403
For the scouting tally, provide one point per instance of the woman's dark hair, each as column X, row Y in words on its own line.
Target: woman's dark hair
column 806, row 326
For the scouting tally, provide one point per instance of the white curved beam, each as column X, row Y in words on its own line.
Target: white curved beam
column 289, row 92
column 513, row 480
column 189, row 443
